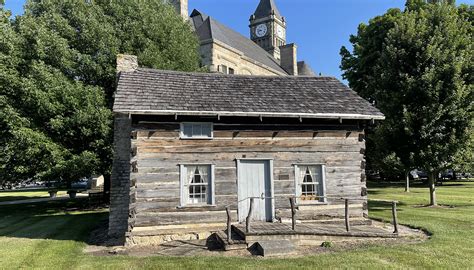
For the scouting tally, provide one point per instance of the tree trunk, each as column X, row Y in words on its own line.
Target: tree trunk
column 432, row 182
column 407, row 184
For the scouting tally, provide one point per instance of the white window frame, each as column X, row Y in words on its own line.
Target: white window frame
column 184, row 137
column 298, row 190
column 184, row 200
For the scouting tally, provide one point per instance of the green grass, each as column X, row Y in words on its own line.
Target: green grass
column 25, row 195
column 50, row 236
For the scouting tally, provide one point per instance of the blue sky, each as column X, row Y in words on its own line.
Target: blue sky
column 318, row 27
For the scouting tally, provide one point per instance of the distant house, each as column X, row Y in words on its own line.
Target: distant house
column 189, row 144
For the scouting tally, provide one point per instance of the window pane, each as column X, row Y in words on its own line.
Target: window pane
column 207, row 130
column 196, row 187
column 197, row 129
column 187, row 130
column 311, row 183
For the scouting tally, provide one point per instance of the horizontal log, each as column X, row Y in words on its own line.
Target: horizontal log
column 227, row 159
column 143, row 207
column 157, row 218
column 248, row 143
column 179, row 209
column 158, row 193
column 173, row 130
column 225, row 188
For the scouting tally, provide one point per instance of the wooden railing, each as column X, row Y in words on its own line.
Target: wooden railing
column 293, row 213
column 248, row 218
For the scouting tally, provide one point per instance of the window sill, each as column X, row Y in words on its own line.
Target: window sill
column 308, row 203
column 198, row 139
column 203, row 206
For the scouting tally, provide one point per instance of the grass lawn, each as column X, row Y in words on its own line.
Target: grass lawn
column 46, row 236
column 17, row 195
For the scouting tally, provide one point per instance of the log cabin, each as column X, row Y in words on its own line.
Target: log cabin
column 189, row 145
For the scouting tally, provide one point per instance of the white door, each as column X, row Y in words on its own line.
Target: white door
column 255, row 181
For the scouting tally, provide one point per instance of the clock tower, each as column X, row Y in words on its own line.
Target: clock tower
column 268, row 28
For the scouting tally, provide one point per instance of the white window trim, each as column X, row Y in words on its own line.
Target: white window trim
column 183, row 137
column 182, row 183
column 297, row 183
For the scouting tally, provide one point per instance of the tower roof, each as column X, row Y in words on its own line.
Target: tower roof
column 265, row 8
column 207, row 28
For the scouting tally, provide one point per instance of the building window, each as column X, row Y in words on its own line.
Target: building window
column 225, row 69
column 196, row 131
column 197, row 185
column 310, row 185
column 222, row 69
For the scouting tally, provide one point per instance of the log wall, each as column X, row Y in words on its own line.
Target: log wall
column 157, row 152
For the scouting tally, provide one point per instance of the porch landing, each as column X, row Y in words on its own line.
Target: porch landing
column 267, row 229
column 307, row 234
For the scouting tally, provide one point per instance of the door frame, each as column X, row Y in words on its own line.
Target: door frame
column 272, row 191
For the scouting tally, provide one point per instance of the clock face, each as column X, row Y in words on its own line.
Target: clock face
column 280, row 32
column 261, row 30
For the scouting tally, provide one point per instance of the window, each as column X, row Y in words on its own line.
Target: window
column 225, row 69
column 310, row 183
column 222, row 69
column 197, row 185
column 196, row 131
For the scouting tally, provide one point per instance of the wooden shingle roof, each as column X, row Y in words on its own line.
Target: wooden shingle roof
column 149, row 91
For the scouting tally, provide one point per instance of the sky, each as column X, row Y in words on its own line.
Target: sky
column 319, row 27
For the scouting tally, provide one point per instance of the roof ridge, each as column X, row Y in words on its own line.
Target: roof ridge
column 228, row 75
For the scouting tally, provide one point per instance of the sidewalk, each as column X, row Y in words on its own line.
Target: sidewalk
column 59, row 198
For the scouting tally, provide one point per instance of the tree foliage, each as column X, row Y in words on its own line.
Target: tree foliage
column 57, row 78
column 417, row 67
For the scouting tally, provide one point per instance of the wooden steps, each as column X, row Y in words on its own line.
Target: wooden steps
column 236, row 243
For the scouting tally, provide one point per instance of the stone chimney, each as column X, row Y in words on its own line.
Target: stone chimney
column 288, row 58
column 126, row 63
column 181, row 7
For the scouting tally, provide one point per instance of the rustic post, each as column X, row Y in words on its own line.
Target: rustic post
column 346, row 202
column 293, row 213
column 229, row 228
column 247, row 223
column 394, row 214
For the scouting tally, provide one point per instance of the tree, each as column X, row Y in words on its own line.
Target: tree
column 57, row 78
column 420, row 76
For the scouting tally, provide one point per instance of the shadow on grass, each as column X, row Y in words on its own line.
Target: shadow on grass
column 418, row 184
column 19, row 198
column 378, row 206
column 57, row 220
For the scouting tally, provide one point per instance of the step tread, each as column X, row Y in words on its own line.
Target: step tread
column 234, row 244
column 275, row 247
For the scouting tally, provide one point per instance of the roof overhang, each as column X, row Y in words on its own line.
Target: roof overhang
column 218, row 114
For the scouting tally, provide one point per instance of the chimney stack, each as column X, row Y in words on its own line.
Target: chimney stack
column 289, row 60
column 126, row 63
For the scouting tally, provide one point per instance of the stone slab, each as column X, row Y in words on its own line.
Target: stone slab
column 274, row 247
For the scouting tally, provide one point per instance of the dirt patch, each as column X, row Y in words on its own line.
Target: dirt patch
column 207, row 247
